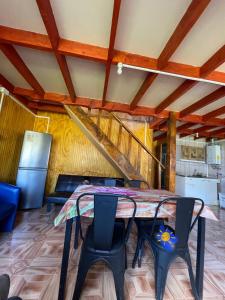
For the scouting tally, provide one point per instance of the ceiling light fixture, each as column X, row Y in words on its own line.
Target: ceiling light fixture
column 120, row 67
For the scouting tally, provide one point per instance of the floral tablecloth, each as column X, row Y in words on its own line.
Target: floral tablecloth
column 147, row 201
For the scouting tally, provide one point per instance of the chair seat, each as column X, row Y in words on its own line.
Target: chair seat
column 6, row 209
column 117, row 242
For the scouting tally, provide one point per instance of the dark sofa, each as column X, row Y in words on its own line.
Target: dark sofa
column 66, row 184
column 9, row 199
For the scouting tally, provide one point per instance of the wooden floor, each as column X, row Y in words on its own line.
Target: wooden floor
column 32, row 258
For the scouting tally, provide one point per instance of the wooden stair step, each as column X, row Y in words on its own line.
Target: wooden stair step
column 93, row 132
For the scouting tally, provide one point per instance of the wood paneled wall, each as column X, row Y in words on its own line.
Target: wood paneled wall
column 72, row 153
column 14, row 120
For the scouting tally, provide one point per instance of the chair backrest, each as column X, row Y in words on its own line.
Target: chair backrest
column 105, row 207
column 184, row 217
column 137, row 183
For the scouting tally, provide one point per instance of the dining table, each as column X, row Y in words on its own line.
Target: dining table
column 147, row 201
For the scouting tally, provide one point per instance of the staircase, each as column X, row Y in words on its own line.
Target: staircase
column 116, row 143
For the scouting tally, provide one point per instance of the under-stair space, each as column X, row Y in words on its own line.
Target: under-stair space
column 118, row 144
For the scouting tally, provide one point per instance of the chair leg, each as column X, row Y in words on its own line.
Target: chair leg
column 119, row 285
column 161, row 270
column 191, row 275
column 125, row 257
column 141, row 253
column 83, row 268
column 77, row 231
column 49, row 207
column 117, row 265
column 138, row 247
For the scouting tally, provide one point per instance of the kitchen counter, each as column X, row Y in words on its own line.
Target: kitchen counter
column 204, row 188
column 214, row 178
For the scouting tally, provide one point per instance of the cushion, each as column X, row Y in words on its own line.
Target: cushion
column 164, row 237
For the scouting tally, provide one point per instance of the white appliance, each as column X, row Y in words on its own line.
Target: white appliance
column 203, row 188
column 33, row 167
column 213, row 154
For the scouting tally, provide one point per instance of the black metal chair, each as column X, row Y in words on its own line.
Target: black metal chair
column 105, row 240
column 144, row 228
column 143, row 225
column 184, row 223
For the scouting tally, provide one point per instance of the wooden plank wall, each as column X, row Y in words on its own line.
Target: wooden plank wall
column 14, row 120
column 72, row 153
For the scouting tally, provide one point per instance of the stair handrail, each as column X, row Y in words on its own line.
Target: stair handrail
column 137, row 140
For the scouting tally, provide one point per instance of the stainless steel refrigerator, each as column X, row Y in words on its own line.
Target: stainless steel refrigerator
column 33, row 167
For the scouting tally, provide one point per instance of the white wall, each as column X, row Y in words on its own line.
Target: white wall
column 188, row 168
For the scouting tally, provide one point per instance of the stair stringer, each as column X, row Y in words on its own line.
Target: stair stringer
column 102, row 143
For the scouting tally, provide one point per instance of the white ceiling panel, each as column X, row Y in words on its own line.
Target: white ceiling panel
column 21, row 14
column 221, row 68
column 193, row 95
column 196, row 126
column 211, row 107
column 205, row 38
column 45, row 69
column 85, row 21
column 146, row 25
column 11, row 74
column 161, row 87
column 122, row 88
column 216, row 128
column 222, row 116
column 88, row 77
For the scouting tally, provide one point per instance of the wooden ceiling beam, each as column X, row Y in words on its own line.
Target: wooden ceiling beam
column 51, row 27
column 156, row 122
column 197, row 119
column 25, row 38
column 46, row 107
column 163, row 126
column 182, row 135
column 213, row 62
column 217, row 94
column 181, row 90
column 6, row 84
column 204, row 134
column 10, row 87
column 215, row 113
column 194, row 11
column 48, row 18
column 184, row 127
column 61, row 59
column 115, row 18
column 21, row 67
column 144, row 87
column 115, row 106
column 218, row 131
column 96, row 53
column 161, row 137
column 202, row 129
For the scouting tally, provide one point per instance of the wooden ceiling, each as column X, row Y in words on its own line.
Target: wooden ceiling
column 57, row 52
